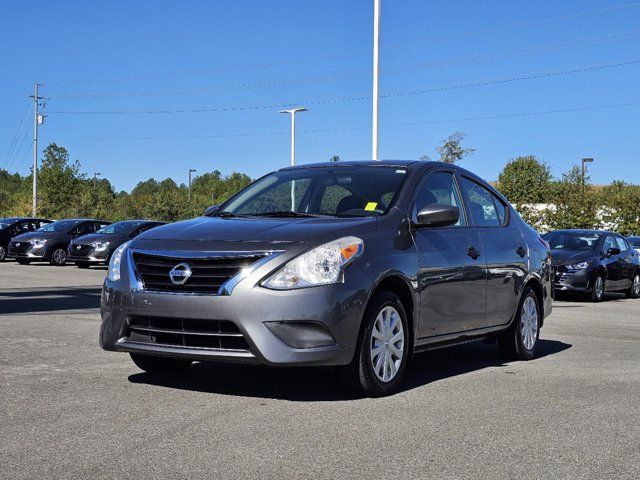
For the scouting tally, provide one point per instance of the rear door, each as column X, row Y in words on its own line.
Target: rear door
column 627, row 265
column 505, row 251
column 452, row 277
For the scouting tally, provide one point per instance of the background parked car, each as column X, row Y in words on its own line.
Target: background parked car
column 10, row 227
column 51, row 241
column 635, row 243
column 96, row 248
column 594, row 262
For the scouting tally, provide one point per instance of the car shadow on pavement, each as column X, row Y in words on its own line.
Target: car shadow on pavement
column 49, row 299
column 305, row 384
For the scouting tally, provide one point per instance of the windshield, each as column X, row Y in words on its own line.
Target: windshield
column 330, row 191
column 572, row 240
column 61, row 226
column 120, row 227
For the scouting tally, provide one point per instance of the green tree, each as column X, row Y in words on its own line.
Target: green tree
column 335, row 158
column 575, row 202
column 622, row 207
column 59, row 183
column 451, row 150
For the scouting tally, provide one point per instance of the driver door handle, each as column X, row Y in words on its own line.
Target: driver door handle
column 473, row 253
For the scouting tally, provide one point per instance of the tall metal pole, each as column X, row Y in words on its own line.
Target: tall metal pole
column 376, row 64
column 190, row 172
column 293, row 112
column 95, row 177
column 36, row 98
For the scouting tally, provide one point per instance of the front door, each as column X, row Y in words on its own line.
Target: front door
column 452, row 278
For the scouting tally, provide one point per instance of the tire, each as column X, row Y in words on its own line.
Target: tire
column 597, row 292
column 58, row 257
column 3, row 253
column 378, row 374
column 159, row 365
column 634, row 289
column 23, row 261
column 521, row 340
column 82, row 265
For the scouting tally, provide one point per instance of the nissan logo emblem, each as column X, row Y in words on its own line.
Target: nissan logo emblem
column 180, row 274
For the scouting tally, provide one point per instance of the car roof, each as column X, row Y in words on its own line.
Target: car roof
column 584, row 231
column 358, row 163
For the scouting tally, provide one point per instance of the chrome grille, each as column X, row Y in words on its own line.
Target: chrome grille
column 22, row 248
column 84, row 252
column 209, row 272
column 187, row 332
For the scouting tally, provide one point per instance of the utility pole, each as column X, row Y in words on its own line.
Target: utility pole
column 293, row 112
column 191, row 170
column 376, row 65
column 37, row 119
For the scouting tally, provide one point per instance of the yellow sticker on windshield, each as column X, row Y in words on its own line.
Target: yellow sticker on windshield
column 371, row 206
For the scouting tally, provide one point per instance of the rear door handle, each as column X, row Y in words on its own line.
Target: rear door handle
column 473, row 253
column 521, row 251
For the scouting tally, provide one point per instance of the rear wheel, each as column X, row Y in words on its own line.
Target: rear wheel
column 521, row 340
column 151, row 364
column 82, row 265
column 23, row 261
column 58, row 257
column 597, row 292
column 3, row 253
column 634, row 290
column 382, row 351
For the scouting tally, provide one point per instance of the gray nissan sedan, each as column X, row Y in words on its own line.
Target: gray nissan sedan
column 356, row 265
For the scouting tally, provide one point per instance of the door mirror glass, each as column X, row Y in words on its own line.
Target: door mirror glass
column 613, row 251
column 438, row 215
column 211, row 210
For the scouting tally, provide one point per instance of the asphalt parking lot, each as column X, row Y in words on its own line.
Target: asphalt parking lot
column 70, row 410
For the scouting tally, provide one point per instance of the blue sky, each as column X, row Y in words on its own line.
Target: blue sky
column 470, row 65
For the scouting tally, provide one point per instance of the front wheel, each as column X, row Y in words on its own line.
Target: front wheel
column 160, row 365
column 521, row 340
column 382, row 351
column 3, row 253
column 597, row 292
column 58, row 257
column 634, row 290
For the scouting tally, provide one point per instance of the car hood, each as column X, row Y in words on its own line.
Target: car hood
column 261, row 230
column 100, row 237
column 25, row 237
column 571, row 257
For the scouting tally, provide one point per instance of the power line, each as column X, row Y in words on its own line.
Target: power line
column 349, row 52
column 14, row 140
column 554, row 46
column 485, row 82
column 366, row 127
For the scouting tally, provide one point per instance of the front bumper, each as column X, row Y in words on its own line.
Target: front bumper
column 579, row 281
column 337, row 309
column 31, row 252
column 87, row 256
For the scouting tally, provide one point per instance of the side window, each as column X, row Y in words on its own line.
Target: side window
column 501, row 209
column 22, row 228
column 440, row 188
column 481, row 204
column 622, row 244
column 609, row 242
column 85, row 228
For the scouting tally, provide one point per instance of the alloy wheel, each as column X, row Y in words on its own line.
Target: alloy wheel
column 59, row 256
column 599, row 287
column 529, row 323
column 387, row 344
column 3, row 253
column 636, row 285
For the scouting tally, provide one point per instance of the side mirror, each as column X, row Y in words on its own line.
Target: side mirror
column 613, row 251
column 437, row 215
column 211, row 210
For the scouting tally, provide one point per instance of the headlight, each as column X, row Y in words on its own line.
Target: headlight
column 578, row 266
column 116, row 260
column 39, row 242
column 100, row 246
column 321, row 266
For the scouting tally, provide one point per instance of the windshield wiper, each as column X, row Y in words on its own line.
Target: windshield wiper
column 225, row 215
column 287, row 213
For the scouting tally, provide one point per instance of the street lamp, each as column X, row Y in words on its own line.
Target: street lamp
column 293, row 112
column 584, row 170
column 95, row 176
column 191, row 170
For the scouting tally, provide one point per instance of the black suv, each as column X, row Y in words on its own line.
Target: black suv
column 10, row 227
column 51, row 241
column 96, row 248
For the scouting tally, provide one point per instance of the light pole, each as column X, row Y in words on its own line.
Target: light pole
column 376, row 64
column 95, row 176
column 584, row 170
column 191, row 170
column 293, row 112
column 38, row 119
